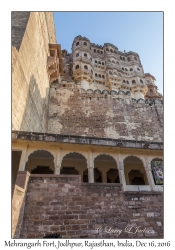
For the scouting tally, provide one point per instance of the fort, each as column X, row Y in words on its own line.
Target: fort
column 87, row 137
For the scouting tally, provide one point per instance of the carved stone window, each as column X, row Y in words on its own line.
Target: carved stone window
column 85, row 44
column 77, row 54
column 129, row 59
column 135, row 58
column 77, row 43
column 133, row 81
column 85, row 67
column 141, row 81
column 131, row 69
column 77, row 67
column 107, row 49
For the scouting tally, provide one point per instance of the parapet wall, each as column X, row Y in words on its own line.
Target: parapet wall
column 30, row 80
column 116, row 115
column 64, row 205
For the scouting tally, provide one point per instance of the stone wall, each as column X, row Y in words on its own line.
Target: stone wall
column 31, row 34
column 18, row 202
column 64, row 205
column 74, row 112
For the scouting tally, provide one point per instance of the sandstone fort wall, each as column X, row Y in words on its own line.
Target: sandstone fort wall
column 77, row 112
column 31, row 35
column 64, row 205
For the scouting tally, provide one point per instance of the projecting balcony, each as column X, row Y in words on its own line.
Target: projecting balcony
column 54, row 62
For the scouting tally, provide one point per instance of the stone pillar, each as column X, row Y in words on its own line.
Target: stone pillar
column 23, row 159
column 58, row 162
column 90, row 166
column 149, row 174
column 121, row 172
column 81, row 173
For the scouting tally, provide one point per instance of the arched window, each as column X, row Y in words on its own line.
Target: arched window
column 101, row 52
column 85, row 55
column 120, row 57
column 94, row 50
column 96, row 75
column 107, row 49
column 123, row 68
column 99, row 75
column 99, row 62
column 103, row 76
column 98, row 51
column 113, row 61
column 135, row 58
column 141, row 81
column 138, row 69
column 126, row 69
column 85, row 67
column 102, row 63
column 115, row 52
column 111, row 50
column 151, row 90
column 95, row 61
column 85, row 44
column 127, row 82
column 110, row 72
column 124, row 81
column 77, row 54
column 131, row 69
column 109, row 60
column 133, row 81
column 77, row 67
column 123, row 59
column 129, row 59
column 77, row 43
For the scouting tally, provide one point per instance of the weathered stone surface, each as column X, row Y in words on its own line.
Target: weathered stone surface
column 88, row 115
column 31, row 34
column 82, row 218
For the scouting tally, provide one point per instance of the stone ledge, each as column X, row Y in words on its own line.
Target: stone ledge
column 54, row 175
column 101, row 184
column 142, row 192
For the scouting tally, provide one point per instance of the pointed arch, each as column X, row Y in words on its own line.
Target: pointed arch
column 138, row 157
column 72, row 152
